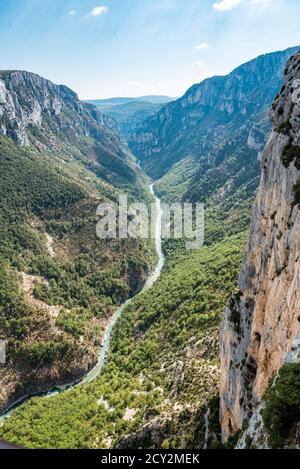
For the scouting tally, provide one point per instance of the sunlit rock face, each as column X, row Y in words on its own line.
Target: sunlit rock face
column 214, row 118
column 34, row 111
column 208, row 144
column 261, row 328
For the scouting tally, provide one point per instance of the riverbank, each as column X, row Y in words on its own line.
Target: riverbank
column 104, row 350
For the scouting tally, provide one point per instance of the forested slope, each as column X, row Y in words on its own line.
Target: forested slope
column 162, row 371
column 60, row 284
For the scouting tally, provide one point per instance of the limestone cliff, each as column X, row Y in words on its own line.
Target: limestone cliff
column 51, row 120
column 261, row 328
column 30, row 103
column 206, row 144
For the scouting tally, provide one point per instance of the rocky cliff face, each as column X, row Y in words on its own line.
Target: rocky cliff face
column 52, row 120
column 34, row 111
column 261, row 329
column 198, row 122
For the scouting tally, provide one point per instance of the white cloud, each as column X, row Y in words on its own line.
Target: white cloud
column 202, row 45
column 101, row 10
column 72, row 12
column 226, row 4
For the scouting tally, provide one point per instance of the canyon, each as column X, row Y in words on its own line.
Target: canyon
column 165, row 383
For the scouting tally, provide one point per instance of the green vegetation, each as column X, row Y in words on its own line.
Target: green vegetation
column 291, row 154
column 163, row 365
column 74, row 321
column 234, row 311
column 285, row 127
column 74, row 286
column 130, row 115
column 70, row 288
column 15, row 319
column 28, row 187
column 18, row 322
column 42, row 353
column 233, row 440
column 150, row 354
column 282, row 409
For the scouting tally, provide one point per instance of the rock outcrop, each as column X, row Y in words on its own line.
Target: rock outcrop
column 261, row 328
column 214, row 133
column 35, row 111
column 52, row 120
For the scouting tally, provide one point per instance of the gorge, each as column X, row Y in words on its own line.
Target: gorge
column 165, row 383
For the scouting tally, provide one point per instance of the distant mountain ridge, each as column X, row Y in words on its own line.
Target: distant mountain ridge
column 130, row 113
column 36, row 112
column 28, row 100
column 153, row 99
column 205, row 144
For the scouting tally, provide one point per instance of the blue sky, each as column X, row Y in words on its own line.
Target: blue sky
column 104, row 48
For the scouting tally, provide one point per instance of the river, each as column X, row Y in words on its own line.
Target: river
column 149, row 283
column 108, row 331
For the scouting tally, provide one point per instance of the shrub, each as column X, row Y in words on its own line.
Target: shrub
column 297, row 193
column 165, row 444
column 282, row 404
column 284, row 128
column 291, row 153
